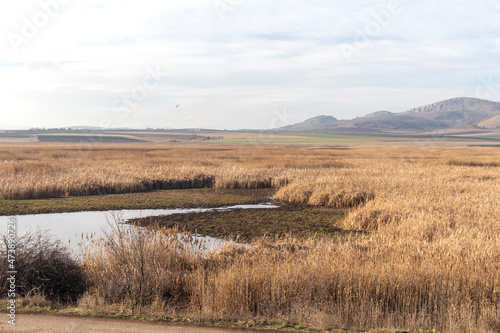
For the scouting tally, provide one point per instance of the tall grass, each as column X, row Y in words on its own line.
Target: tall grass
column 353, row 285
column 139, row 266
column 53, row 171
column 429, row 257
column 316, row 282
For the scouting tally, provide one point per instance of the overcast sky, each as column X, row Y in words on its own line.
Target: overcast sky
column 239, row 63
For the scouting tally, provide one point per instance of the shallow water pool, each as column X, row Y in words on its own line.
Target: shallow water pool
column 71, row 228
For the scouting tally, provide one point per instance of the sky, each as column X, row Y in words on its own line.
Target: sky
column 238, row 64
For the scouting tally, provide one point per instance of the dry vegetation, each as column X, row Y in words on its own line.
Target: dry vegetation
column 45, row 268
column 139, row 267
column 431, row 259
column 51, row 171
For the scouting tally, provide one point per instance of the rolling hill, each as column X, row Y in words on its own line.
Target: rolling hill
column 312, row 123
column 455, row 113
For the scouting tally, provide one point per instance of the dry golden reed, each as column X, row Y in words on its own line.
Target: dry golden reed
column 35, row 172
column 430, row 257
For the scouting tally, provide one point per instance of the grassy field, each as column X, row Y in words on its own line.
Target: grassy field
column 336, row 136
column 91, row 138
column 445, row 138
column 281, row 138
column 420, row 245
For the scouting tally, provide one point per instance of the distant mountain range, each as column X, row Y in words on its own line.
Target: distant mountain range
column 455, row 113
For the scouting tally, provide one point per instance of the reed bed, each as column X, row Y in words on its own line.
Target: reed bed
column 52, row 171
column 429, row 257
column 318, row 283
column 352, row 285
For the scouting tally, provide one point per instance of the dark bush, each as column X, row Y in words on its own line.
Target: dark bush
column 44, row 266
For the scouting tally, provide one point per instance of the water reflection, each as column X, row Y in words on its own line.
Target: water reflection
column 71, row 228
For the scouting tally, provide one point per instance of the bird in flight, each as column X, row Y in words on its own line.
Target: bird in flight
column 177, row 106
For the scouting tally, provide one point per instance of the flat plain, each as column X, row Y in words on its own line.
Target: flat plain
column 395, row 237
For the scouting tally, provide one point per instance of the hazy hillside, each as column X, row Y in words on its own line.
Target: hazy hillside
column 312, row 123
column 378, row 114
column 455, row 113
column 493, row 122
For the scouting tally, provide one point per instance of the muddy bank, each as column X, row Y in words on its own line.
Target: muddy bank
column 165, row 199
column 288, row 219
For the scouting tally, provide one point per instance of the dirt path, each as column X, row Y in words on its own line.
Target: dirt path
column 30, row 323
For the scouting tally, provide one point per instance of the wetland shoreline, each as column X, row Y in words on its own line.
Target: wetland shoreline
column 160, row 199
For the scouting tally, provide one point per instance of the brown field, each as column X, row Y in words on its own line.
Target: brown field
column 430, row 258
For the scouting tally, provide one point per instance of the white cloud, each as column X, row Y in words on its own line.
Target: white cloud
column 230, row 71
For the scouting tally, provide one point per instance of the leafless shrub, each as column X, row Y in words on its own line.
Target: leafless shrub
column 137, row 266
column 44, row 267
